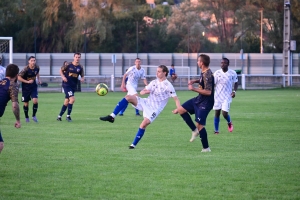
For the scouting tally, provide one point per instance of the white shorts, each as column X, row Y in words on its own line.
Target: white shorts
column 225, row 106
column 148, row 111
column 131, row 90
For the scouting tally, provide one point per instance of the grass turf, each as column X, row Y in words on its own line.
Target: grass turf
column 90, row 159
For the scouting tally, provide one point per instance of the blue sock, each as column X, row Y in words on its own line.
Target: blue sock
column 137, row 112
column 216, row 122
column 123, row 110
column 138, row 136
column 120, row 106
column 203, row 137
column 228, row 118
column 63, row 110
column 70, row 107
column 188, row 120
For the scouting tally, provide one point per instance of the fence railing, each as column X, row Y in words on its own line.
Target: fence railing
column 260, row 81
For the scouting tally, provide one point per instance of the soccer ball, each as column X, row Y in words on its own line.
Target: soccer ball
column 101, row 89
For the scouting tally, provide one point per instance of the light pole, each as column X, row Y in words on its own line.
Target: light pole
column 261, row 31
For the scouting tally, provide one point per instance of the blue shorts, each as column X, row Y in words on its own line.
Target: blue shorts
column 27, row 95
column 69, row 91
column 192, row 108
column 1, row 139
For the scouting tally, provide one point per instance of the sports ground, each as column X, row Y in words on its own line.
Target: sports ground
column 90, row 159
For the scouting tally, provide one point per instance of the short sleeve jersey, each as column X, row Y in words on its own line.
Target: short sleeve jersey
column 207, row 83
column 224, row 82
column 2, row 72
column 134, row 75
column 29, row 74
column 72, row 72
column 160, row 92
column 8, row 91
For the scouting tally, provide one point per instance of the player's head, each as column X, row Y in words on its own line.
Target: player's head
column 31, row 61
column 137, row 62
column 162, row 69
column 226, row 59
column 172, row 65
column 12, row 71
column 203, row 59
column 224, row 64
column 77, row 57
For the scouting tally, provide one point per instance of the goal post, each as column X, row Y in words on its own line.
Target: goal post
column 6, row 49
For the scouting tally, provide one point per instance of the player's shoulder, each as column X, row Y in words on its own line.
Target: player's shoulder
column 232, row 71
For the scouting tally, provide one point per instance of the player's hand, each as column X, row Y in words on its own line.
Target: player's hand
column 64, row 79
column 30, row 81
column 191, row 87
column 123, row 89
column 18, row 124
column 175, row 111
column 82, row 80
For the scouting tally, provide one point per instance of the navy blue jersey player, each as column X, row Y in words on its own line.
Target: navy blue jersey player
column 9, row 89
column 69, row 74
column 28, row 77
column 200, row 105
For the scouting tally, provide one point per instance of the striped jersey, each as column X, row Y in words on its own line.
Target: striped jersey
column 160, row 92
column 223, row 84
column 134, row 75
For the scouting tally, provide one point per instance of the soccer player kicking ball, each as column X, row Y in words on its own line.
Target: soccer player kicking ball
column 159, row 90
column 224, row 80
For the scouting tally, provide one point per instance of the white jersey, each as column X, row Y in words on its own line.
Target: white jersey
column 160, row 92
column 223, row 85
column 2, row 72
column 134, row 75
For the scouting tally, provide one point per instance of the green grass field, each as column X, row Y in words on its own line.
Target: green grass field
column 90, row 159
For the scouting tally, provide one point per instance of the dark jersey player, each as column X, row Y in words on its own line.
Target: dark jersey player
column 28, row 77
column 9, row 89
column 200, row 105
column 69, row 74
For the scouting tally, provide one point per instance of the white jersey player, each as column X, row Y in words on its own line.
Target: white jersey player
column 134, row 74
column 226, row 84
column 159, row 90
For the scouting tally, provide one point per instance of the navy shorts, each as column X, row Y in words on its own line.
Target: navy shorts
column 200, row 114
column 69, row 91
column 27, row 95
column 1, row 139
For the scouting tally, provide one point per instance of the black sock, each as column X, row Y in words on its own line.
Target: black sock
column 34, row 109
column 188, row 120
column 25, row 108
column 63, row 110
column 203, row 137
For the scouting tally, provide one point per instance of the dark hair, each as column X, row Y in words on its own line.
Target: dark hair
column 12, row 70
column 77, row 53
column 165, row 69
column 137, row 59
column 226, row 59
column 172, row 65
column 31, row 57
column 205, row 59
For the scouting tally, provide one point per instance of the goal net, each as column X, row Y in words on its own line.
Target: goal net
column 6, row 50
